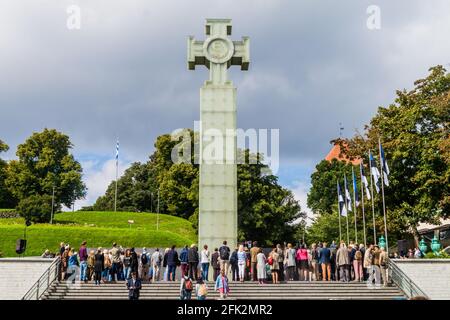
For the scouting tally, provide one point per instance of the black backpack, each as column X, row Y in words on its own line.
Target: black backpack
column 144, row 259
column 224, row 253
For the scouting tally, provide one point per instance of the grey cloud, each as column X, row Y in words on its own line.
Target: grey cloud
column 314, row 64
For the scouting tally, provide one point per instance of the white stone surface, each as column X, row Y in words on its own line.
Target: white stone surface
column 431, row 276
column 17, row 276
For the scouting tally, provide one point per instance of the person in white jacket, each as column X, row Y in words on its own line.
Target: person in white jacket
column 204, row 261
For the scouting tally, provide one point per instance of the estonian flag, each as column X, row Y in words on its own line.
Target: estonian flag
column 355, row 188
column 364, row 180
column 347, row 194
column 342, row 208
column 384, row 166
column 117, row 150
column 374, row 171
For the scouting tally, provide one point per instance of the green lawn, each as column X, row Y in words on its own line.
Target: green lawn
column 99, row 229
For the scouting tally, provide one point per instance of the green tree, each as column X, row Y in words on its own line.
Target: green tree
column 36, row 208
column 266, row 211
column 323, row 193
column 133, row 191
column 6, row 198
column 415, row 133
column 44, row 162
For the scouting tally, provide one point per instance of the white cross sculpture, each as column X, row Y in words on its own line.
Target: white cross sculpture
column 218, row 179
column 218, row 52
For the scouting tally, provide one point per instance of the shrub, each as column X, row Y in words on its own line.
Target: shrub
column 37, row 208
column 8, row 213
column 442, row 255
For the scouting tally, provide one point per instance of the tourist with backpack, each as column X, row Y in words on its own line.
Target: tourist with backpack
column 357, row 265
column 224, row 257
column 115, row 257
column 201, row 289
column 156, row 260
column 204, row 260
column 186, row 287
column 222, row 285
column 184, row 261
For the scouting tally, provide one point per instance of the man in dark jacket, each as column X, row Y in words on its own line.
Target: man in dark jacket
column 134, row 286
column 215, row 263
column 234, row 265
column 193, row 260
column 325, row 261
column 172, row 263
column 134, row 262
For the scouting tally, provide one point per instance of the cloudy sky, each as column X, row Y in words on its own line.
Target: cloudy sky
column 123, row 73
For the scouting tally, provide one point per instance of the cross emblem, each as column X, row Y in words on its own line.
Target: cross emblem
column 218, row 52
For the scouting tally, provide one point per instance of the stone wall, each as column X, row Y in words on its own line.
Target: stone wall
column 18, row 275
column 430, row 275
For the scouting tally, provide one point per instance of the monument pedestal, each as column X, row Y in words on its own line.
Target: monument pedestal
column 218, row 171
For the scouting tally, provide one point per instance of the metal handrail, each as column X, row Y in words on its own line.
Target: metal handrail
column 404, row 282
column 44, row 282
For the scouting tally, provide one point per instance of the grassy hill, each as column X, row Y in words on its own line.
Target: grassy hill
column 99, row 229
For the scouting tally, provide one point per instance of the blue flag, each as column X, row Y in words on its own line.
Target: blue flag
column 355, row 188
column 342, row 208
column 364, row 180
column 117, row 150
column 384, row 166
column 374, row 171
column 348, row 198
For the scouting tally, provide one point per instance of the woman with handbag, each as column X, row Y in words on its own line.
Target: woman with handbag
column 274, row 265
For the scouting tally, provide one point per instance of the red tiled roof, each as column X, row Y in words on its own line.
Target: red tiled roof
column 335, row 154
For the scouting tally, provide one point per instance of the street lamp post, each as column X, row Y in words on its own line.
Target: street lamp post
column 157, row 214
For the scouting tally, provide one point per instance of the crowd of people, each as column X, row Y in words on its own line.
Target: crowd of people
column 317, row 262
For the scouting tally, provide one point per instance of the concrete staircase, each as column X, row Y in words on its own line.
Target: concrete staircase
column 18, row 275
column 170, row 290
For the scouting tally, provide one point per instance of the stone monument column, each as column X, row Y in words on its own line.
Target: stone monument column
column 218, row 168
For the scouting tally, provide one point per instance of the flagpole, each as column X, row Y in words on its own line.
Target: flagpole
column 382, row 193
column 348, row 235
column 339, row 214
column 354, row 204
column 373, row 204
column 115, row 195
column 117, row 175
column 362, row 204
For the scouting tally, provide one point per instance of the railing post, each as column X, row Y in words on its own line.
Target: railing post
column 37, row 290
